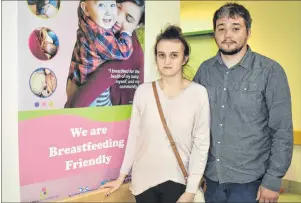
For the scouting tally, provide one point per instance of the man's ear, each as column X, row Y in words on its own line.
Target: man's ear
column 249, row 33
column 83, row 6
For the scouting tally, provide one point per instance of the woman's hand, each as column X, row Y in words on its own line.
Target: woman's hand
column 128, row 27
column 117, row 27
column 113, row 185
column 186, row 197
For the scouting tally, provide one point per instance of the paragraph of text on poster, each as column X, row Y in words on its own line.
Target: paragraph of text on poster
column 126, row 78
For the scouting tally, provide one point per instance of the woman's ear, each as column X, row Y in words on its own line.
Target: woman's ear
column 185, row 60
column 83, row 6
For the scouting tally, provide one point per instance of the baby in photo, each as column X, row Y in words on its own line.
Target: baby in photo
column 43, row 83
column 96, row 43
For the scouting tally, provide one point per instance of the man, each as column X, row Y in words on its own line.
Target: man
column 251, row 126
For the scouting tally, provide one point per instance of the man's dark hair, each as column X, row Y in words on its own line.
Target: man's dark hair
column 233, row 10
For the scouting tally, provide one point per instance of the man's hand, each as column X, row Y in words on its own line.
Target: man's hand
column 266, row 196
column 186, row 197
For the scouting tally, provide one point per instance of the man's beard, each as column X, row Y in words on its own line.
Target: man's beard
column 231, row 52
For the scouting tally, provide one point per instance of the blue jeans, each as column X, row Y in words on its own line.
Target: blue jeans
column 231, row 192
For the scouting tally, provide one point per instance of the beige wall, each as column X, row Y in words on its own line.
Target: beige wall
column 276, row 33
column 294, row 172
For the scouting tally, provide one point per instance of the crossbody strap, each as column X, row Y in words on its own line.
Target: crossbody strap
column 172, row 143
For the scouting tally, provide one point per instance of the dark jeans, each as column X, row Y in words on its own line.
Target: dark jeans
column 231, row 192
column 167, row 192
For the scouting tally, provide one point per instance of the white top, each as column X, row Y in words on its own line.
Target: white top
column 148, row 152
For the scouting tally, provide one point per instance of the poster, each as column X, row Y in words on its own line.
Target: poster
column 77, row 77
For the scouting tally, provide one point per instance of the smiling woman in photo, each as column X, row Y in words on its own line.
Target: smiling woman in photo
column 100, row 84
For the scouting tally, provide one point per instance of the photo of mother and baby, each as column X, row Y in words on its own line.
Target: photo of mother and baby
column 107, row 39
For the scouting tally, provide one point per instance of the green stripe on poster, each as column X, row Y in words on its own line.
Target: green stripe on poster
column 105, row 114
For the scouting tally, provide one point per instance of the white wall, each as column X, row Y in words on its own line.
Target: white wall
column 155, row 21
column 10, row 158
column 158, row 15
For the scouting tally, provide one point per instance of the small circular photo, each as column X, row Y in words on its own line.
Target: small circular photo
column 44, row 8
column 43, row 82
column 43, row 43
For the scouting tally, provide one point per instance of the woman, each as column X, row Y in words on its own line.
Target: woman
column 156, row 174
column 129, row 12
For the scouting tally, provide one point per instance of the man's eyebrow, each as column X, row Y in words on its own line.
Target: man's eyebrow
column 222, row 24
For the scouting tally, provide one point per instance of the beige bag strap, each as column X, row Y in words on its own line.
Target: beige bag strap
column 173, row 144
